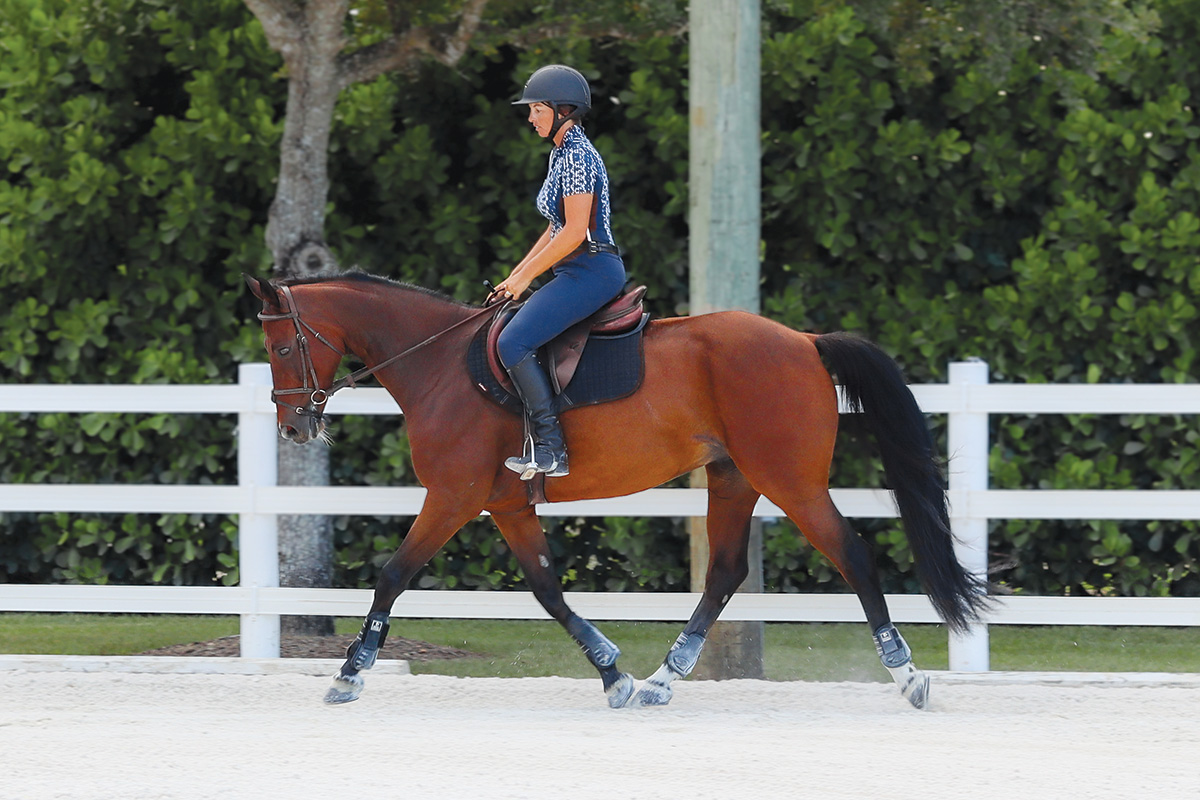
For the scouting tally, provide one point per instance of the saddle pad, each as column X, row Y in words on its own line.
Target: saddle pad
column 611, row 368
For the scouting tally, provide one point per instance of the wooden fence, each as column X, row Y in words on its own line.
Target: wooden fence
column 967, row 399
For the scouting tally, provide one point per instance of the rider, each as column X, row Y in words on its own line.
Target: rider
column 577, row 246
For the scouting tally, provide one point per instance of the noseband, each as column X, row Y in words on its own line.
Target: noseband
column 318, row 397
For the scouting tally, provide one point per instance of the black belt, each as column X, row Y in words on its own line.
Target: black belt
column 592, row 248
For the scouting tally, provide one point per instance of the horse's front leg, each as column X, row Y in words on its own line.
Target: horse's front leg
column 439, row 519
column 731, row 501
column 525, row 536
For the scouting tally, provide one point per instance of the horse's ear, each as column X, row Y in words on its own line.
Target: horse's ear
column 263, row 290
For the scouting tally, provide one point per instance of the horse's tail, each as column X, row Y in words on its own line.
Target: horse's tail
column 874, row 385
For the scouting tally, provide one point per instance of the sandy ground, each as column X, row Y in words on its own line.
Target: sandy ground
column 98, row 735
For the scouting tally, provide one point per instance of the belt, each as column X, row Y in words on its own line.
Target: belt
column 592, row 248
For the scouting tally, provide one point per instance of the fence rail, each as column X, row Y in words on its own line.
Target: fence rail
column 967, row 399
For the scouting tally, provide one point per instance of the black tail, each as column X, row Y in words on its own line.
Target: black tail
column 874, row 385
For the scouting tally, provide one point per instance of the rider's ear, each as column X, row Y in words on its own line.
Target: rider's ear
column 263, row 290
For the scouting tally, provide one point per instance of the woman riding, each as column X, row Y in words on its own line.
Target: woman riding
column 577, row 246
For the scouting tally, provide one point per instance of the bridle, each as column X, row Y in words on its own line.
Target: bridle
column 318, row 397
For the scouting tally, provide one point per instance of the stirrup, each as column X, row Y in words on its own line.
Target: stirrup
column 527, row 467
column 527, row 464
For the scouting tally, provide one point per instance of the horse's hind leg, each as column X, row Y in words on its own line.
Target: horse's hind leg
column 824, row 526
column 525, row 536
column 731, row 501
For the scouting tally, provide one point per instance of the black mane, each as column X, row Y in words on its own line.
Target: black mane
column 358, row 276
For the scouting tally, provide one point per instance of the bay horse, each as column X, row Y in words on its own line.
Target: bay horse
column 748, row 399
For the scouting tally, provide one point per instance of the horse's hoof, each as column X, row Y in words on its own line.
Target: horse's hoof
column 918, row 691
column 620, row 691
column 345, row 689
column 653, row 694
column 913, row 683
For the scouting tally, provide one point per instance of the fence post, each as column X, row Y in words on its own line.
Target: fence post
column 258, row 549
column 967, row 437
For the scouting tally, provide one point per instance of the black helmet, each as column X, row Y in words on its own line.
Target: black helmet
column 558, row 85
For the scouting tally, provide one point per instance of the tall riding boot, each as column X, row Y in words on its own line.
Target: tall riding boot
column 548, row 452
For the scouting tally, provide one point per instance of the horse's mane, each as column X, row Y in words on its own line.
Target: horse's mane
column 358, row 276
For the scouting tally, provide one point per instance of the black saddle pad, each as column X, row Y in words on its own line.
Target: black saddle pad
column 611, row 368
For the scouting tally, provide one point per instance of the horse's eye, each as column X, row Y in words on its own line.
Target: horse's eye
column 283, row 351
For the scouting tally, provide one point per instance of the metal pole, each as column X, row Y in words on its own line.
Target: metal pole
column 968, row 445
column 725, row 152
column 258, row 552
column 724, row 202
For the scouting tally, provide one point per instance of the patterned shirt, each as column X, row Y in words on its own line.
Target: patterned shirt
column 575, row 168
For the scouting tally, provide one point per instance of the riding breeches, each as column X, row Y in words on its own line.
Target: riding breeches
column 580, row 287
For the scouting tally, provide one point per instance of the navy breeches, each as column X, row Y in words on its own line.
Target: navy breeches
column 580, row 287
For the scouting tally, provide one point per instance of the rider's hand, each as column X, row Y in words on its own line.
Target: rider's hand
column 512, row 287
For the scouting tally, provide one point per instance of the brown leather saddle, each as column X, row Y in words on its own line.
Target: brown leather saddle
column 623, row 314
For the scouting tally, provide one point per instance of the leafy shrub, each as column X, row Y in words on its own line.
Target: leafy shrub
column 1044, row 221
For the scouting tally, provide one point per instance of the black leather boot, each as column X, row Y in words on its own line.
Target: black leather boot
column 548, row 452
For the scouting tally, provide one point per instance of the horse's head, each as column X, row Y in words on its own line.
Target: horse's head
column 303, row 362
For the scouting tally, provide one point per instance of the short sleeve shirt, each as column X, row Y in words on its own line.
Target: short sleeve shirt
column 575, row 168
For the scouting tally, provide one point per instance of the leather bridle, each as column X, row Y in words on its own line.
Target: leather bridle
column 318, row 397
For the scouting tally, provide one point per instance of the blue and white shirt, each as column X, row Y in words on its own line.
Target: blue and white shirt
column 575, row 168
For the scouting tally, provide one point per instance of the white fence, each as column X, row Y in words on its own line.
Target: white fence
column 967, row 399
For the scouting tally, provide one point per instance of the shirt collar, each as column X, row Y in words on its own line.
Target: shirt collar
column 573, row 134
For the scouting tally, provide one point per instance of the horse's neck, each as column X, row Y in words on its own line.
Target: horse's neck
column 379, row 323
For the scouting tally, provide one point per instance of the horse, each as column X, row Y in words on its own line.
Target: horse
column 751, row 401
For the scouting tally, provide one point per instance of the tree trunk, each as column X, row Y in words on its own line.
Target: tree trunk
column 309, row 36
column 296, row 227
column 305, row 542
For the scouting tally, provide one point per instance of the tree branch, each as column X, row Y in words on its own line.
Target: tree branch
column 403, row 51
column 563, row 29
column 394, row 53
column 468, row 23
column 282, row 22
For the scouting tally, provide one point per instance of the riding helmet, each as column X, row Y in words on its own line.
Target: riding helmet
column 558, row 85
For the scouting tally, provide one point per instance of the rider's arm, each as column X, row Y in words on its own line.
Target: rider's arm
column 538, row 247
column 578, row 207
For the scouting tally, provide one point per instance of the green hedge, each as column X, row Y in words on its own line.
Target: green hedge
column 1046, row 224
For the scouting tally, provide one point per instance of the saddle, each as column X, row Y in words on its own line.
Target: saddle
column 623, row 315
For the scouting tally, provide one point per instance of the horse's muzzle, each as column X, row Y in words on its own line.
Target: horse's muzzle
column 307, row 426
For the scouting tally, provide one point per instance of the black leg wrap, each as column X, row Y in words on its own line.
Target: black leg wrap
column 596, row 646
column 890, row 645
column 683, row 655
column 609, row 676
column 363, row 651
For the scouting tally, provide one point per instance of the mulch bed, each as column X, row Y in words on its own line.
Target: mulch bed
column 396, row 647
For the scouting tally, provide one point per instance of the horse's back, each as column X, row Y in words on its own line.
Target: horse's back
column 739, row 347
column 763, row 385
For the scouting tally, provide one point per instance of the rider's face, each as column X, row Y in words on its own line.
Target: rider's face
column 541, row 117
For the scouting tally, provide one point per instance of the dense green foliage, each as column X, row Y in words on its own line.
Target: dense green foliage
column 1046, row 224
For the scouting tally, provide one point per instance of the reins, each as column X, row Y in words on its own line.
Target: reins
column 318, row 397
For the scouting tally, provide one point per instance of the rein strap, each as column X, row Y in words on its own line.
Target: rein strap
column 358, row 374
